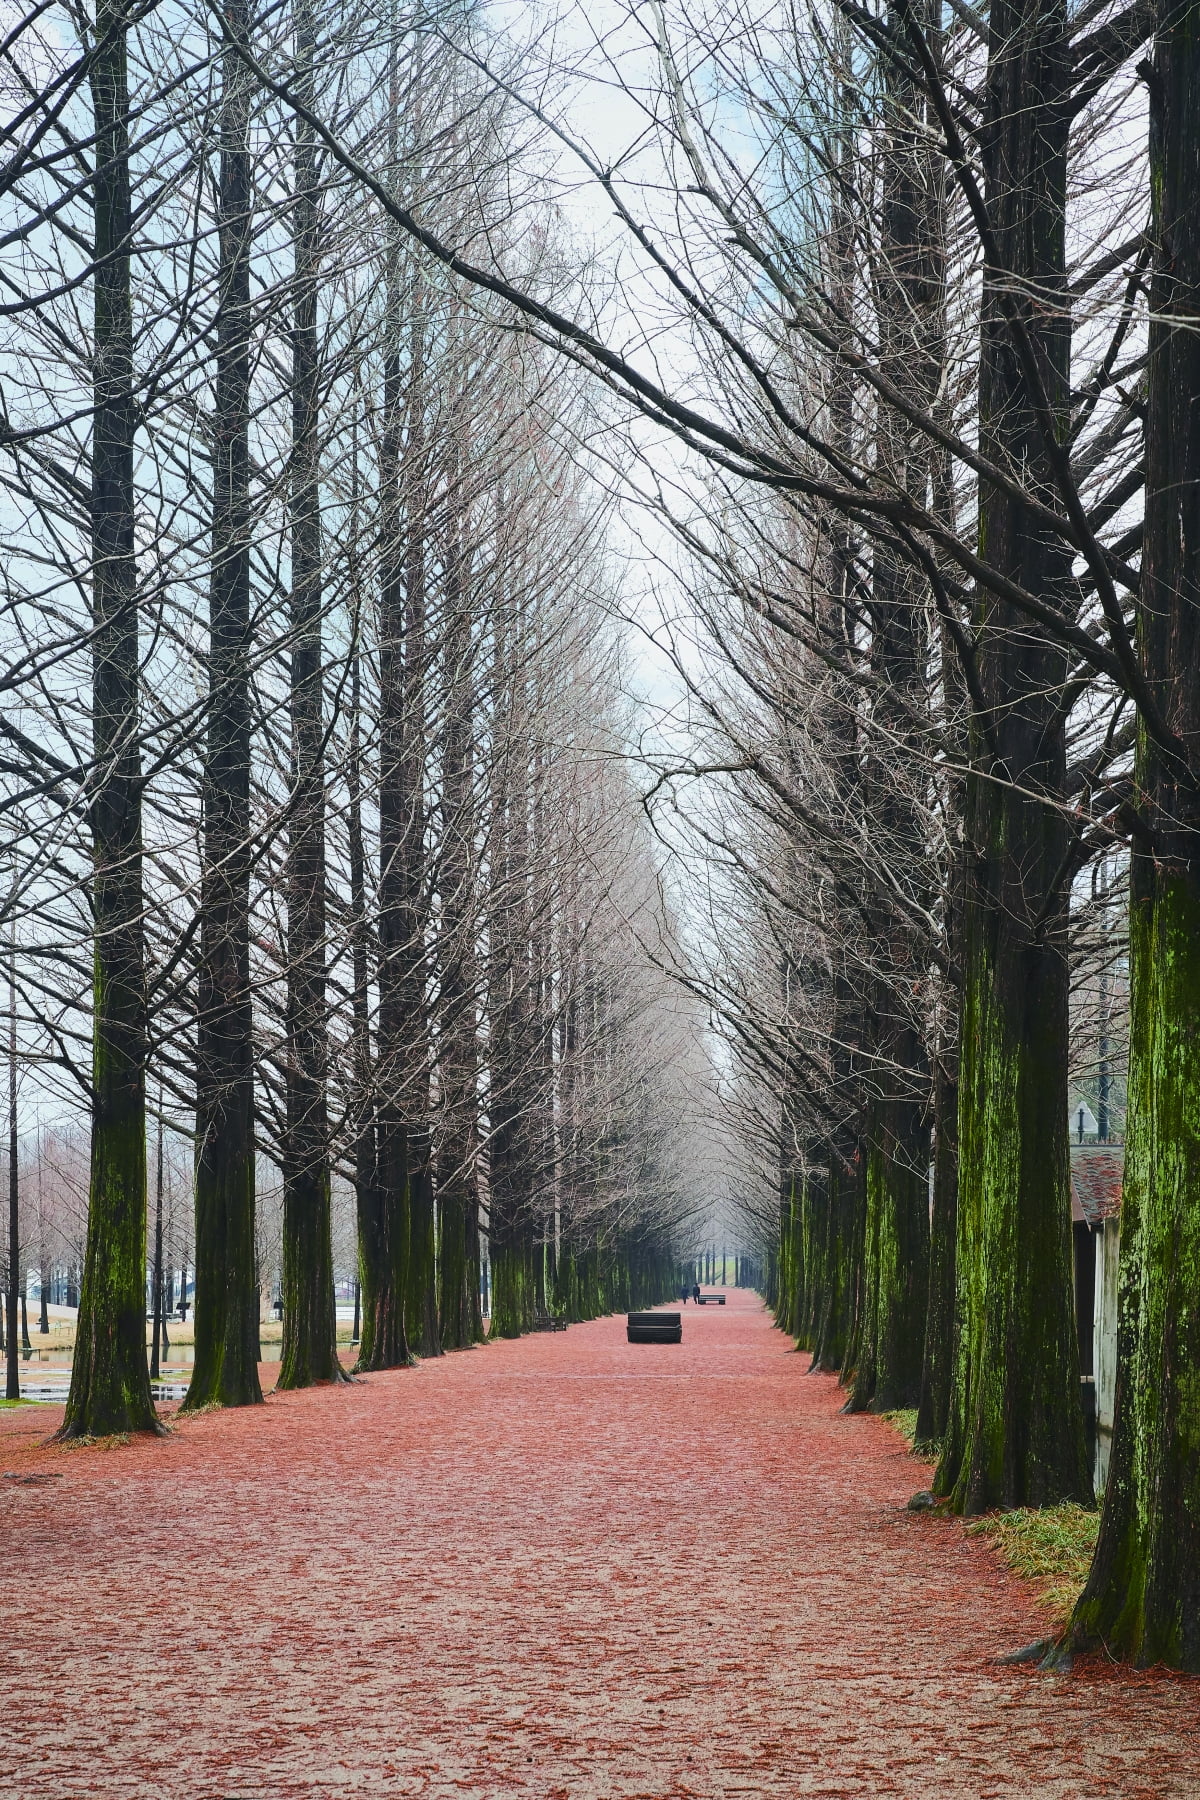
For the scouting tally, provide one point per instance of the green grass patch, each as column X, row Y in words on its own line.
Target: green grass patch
column 905, row 1421
column 18, row 1403
column 1052, row 1545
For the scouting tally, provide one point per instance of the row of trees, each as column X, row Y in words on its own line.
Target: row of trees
column 322, row 845
column 937, row 272
column 953, row 732
column 926, row 277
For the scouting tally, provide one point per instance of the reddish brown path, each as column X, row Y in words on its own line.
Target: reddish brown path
column 563, row 1568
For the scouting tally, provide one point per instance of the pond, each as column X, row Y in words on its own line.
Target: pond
column 49, row 1392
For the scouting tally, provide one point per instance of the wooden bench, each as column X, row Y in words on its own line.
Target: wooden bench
column 711, row 1300
column 547, row 1322
column 654, row 1328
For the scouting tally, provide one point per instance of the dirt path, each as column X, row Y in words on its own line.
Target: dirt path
column 564, row 1567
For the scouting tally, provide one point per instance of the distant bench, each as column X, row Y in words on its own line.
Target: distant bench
column 711, row 1300
column 547, row 1322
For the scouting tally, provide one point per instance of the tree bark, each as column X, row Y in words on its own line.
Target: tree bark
column 1142, row 1598
column 841, row 1261
column 1015, row 1429
column 156, row 1281
column 458, row 1202
column 413, row 1063
column 510, row 1227
column 309, row 1352
column 12, row 1390
column 225, row 1372
column 933, row 1406
column 110, row 1381
column 385, row 1249
column 910, row 310
column 895, row 1259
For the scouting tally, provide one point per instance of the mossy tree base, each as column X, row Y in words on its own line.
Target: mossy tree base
column 895, row 1262
column 383, row 1258
column 309, row 1355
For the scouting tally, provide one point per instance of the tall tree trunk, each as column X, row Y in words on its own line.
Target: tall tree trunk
column 309, row 1352
column 225, row 1372
column 421, row 1293
column 933, row 1406
column 815, row 1235
column 1015, row 1429
column 156, row 1280
column 110, row 1382
column 895, row 1258
column 458, row 1203
column 1142, row 1598
column 12, row 1388
column 840, row 1258
column 510, row 1222
column 377, row 1317
column 912, row 344
column 385, row 1251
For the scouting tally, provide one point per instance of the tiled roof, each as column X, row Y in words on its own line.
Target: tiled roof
column 1096, row 1171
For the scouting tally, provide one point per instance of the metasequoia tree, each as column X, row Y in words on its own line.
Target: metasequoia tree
column 385, row 1248
column 226, row 1317
column 110, row 1386
column 309, row 1336
column 458, row 1053
column 1015, row 1430
column 910, row 309
column 1142, row 1599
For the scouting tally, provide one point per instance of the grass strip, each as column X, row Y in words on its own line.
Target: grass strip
column 1052, row 1545
column 905, row 1421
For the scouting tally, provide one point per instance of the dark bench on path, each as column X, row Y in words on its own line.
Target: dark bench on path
column 711, row 1300
column 654, row 1328
column 547, row 1322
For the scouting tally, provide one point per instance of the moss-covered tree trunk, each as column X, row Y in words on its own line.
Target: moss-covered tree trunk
column 1142, row 1598
column 937, row 1365
column 309, row 1317
column 909, row 302
column 110, row 1382
column 12, row 1378
column 788, row 1302
column 383, row 1249
column 895, row 1271
column 513, row 1286
column 1015, row 1429
column 225, row 1372
column 816, row 1210
column 841, row 1262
